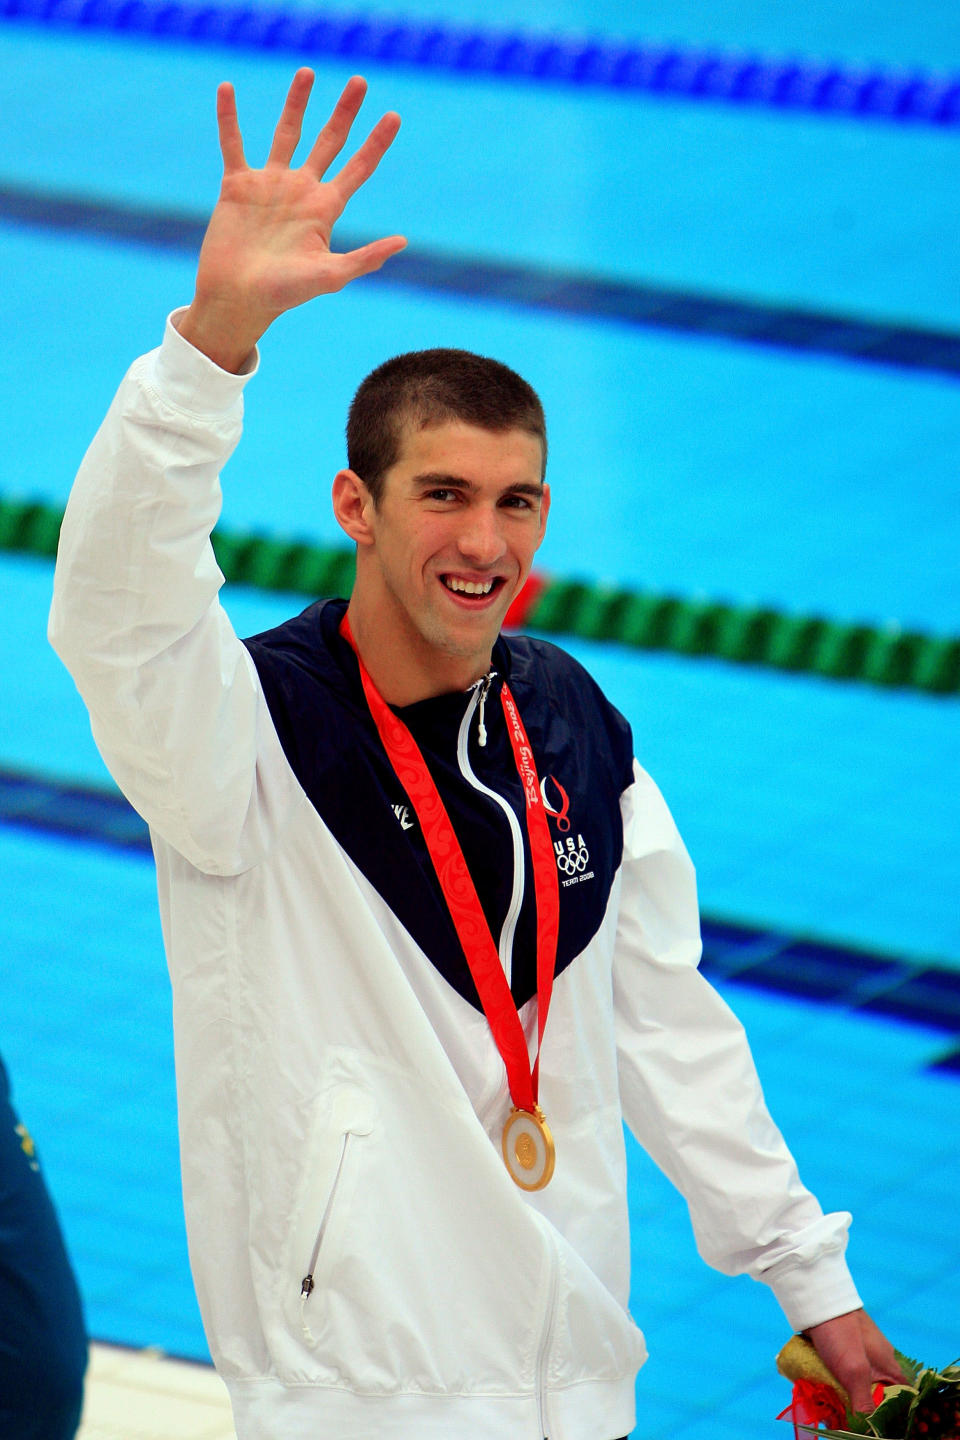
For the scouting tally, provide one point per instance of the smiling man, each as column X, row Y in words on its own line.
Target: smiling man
column 431, row 932
column 447, row 513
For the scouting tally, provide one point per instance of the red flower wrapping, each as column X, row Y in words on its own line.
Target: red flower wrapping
column 815, row 1403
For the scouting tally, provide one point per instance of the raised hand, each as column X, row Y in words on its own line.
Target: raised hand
column 267, row 246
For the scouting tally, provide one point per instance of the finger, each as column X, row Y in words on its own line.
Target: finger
column 286, row 137
column 858, row 1383
column 881, row 1354
column 333, row 136
column 886, row 1369
column 366, row 259
column 361, row 166
column 231, row 141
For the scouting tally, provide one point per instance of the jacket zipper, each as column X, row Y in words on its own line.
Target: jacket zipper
column 307, row 1283
column 543, row 1357
column 508, row 931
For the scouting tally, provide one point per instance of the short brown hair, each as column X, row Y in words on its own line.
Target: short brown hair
column 432, row 387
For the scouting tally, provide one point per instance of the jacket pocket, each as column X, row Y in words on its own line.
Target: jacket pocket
column 343, row 1117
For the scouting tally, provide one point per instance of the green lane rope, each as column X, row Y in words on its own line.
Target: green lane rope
column 270, row 563
column 742, row 634
column 751, row 635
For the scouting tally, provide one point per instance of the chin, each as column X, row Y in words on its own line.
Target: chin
column 465, row 641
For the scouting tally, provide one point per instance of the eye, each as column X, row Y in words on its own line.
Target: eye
column 442, row 493
column 518, row 502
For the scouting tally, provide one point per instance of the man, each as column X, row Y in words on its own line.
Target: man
column 402, row 1064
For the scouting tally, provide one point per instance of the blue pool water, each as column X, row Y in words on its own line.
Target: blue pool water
column 702, row 466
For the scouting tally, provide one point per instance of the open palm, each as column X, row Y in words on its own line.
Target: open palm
column 267, row 247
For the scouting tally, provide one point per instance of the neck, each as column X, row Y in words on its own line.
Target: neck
column 411, row 670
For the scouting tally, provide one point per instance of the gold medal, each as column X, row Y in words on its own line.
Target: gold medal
column 528, row 1149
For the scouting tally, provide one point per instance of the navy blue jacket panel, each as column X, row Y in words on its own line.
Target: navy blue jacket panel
column 583, row 751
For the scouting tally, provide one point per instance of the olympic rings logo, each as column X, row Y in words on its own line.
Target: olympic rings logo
column 571, row 860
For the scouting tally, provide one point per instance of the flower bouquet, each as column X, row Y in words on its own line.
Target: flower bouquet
column 926, row 1407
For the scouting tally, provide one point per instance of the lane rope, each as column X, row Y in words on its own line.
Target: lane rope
column 738, row 953
column 886, row 655
column 561, row 292
column 704, row 74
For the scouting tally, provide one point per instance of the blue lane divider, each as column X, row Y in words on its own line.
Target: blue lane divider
column 710, row 75
column 653, row 307
column 911, row 991
column 75, row 812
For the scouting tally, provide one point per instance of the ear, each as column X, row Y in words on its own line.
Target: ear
column 544, row 512
column 353, row 506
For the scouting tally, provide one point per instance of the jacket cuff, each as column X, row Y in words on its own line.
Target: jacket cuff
column 811, row 1293
column 188, row 380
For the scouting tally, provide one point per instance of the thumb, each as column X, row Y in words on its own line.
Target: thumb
column 368, row 258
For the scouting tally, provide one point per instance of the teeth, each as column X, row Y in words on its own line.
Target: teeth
column 468, row 587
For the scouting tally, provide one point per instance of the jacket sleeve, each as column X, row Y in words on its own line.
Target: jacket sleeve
column 690, row 1092
column 174, row 702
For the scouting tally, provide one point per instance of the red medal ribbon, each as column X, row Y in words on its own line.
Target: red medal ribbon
column 458, row 888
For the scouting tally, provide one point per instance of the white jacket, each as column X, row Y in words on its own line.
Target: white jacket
column 341, row 1101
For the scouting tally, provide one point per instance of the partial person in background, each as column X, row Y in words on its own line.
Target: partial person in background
column 431, row 930
column 43, row 1342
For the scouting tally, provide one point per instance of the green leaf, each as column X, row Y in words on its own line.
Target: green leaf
column 861, row 1424
column 891, row 1416
column 834, row 1434
column 910, row 1368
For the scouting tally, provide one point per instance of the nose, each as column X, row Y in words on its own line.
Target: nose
column 480, row 539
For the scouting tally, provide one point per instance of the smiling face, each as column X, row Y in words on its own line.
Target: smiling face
column 444, row 552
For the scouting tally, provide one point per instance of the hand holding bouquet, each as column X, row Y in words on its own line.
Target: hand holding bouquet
column 927, row 1407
